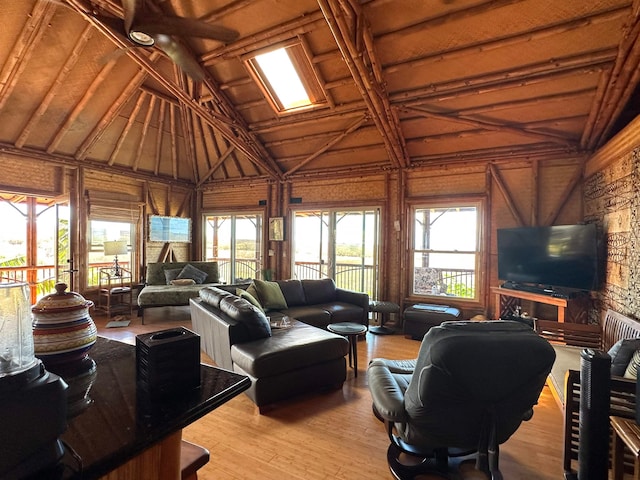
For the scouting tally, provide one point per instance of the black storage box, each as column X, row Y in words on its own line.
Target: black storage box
column 168, row 361
column 418, row 319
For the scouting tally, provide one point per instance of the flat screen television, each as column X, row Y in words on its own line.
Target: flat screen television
column 560, row 256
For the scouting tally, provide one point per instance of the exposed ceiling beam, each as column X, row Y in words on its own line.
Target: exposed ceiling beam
column 356, row 45
column 232, row 128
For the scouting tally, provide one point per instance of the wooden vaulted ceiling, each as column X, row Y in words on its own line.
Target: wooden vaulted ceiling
column 409, row 83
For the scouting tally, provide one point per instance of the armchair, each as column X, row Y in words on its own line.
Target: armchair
column 468, row 391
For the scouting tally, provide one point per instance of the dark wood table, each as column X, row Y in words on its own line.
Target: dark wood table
column 118, row 430
column 352, row 331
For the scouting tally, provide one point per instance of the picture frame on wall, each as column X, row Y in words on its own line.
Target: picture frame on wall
column 276, row 229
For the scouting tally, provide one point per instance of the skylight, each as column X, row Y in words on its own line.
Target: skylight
column 287, row 77
column 284, row 79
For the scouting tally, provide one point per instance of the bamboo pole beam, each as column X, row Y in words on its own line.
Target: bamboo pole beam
column 349, row 110
column 130, row 121
column 187, row 126
column 224, row 11
column 151, row 201
column 159, row 137
column 80, row 106
column 186, row 201
column 24, row 47
column 112, row 112
column 489, row 125
column 72, row 162
column 497, row 178
column 174, row 146
column 506, row 41
column 565, row 67
column 57, row 84
column 350, row 129
column 535, row 193
column 284, row 31
column 571, row 186
column 619, row 76
column 373, row 93
column 233, row 128
column 145, row 130
column 215, row 166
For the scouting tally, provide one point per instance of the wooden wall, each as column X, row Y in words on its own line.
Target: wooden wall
column 612, row 198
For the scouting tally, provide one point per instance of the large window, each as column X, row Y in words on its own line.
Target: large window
column 235, row 242
column 446, row 250
column 339, row 244
column 101, row 231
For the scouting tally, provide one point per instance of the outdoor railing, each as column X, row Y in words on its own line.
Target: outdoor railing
column 245, row 269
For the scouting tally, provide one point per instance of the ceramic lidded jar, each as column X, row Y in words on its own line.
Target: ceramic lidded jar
column 63, row 330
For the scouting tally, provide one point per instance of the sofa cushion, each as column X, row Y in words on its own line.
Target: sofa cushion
column 292, row 291
column 171, row 274
column 213, row 295
column 621, row 353
column 244, row 312
column 242, row 293
column 288, row 349
column 270, row 295
column 310, row 314
column 183, row 281
column 189, row 271
column 319, row 291
column 342, row 312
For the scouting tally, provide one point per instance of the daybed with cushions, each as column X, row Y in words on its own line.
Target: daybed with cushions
column 618, row 336
column 174, row 283
column 281, row 362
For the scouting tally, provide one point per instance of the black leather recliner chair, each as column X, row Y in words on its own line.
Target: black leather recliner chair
column 468, row 391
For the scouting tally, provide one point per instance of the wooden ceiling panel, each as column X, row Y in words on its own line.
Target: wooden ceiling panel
column 470, row 79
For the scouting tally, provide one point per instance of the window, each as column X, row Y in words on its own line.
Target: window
column 445, row 250
column 340, row 244
column 287, row 78
column 101, row 231
column 235, row 242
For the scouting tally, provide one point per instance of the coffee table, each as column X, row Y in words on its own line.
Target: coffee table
column 350, row 330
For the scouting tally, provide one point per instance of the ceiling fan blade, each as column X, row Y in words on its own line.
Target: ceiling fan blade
column 131, row 8
column 180, row 56
column 186, row 27
column 115, row 24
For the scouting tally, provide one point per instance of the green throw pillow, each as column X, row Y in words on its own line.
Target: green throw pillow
column 270, row 295
column 189, row 271
column 249, row 298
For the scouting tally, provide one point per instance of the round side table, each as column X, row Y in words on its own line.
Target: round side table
column 350, row 330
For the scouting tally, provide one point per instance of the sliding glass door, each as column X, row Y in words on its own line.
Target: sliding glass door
column 235, row 242
column 339, row 244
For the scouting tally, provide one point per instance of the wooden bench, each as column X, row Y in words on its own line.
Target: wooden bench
column 565, row 386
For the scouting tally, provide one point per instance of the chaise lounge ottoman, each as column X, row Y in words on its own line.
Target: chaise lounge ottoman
column 419, row 318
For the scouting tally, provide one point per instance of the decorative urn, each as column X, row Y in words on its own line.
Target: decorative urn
column 63, row 330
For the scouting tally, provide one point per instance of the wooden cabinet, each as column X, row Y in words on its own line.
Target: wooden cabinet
column 115, row 293
column 573, row 309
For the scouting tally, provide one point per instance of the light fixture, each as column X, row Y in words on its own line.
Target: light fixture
column 33, row 401
column 115, row 247
column 141, row 38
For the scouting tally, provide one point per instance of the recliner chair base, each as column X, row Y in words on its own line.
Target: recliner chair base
column 442, row 463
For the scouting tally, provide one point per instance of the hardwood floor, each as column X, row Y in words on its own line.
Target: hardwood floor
column 333, row 435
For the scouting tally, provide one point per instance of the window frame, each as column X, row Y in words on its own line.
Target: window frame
column 301, row 59
column 479, row 203
column 261, row 262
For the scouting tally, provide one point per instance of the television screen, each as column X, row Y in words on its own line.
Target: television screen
column 557, row 256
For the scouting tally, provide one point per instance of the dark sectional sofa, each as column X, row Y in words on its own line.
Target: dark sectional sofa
column 281, row 362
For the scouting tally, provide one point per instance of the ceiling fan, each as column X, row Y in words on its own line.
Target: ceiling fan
column 146, row 28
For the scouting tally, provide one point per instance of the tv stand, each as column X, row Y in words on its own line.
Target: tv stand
column 572, row 309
